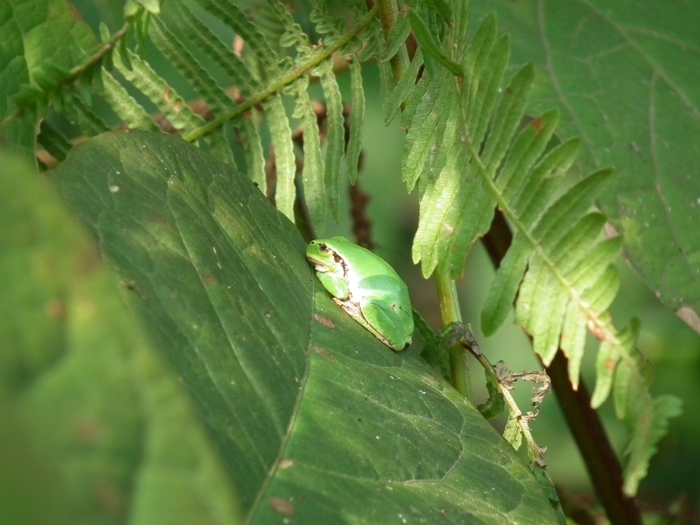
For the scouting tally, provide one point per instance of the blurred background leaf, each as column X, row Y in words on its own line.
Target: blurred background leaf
column 107, row 430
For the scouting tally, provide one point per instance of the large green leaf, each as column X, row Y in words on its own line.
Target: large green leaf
column 95, row 427
column 626, row 77
column 315, row 420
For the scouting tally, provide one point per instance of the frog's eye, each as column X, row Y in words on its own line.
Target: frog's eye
column 323, row 247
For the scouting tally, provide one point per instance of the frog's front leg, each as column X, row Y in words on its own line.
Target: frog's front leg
column 380, row 314
column 336, row 285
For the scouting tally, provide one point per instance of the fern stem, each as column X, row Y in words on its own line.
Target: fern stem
column 601, row 462
column 284, row 80
column 450, row 311
column 98, row 55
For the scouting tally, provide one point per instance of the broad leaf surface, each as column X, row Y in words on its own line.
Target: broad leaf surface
column 95, row 427
column 625, row 76
column 315, row 420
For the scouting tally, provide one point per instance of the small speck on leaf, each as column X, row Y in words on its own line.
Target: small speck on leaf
column 322, row 352
column 282, row 506
column 325, row 321
column 286, row 464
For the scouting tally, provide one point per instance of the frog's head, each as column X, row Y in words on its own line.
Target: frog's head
column 323, row 254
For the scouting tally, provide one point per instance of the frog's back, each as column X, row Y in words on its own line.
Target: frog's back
column 371, row 263
column 378, row 278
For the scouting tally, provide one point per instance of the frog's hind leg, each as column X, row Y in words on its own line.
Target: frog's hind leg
column 381, row 314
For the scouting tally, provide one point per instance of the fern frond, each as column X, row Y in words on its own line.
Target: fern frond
column 335, row 134
column 430, row 112
column 646, row 417
column 269, row 95
column 260, row 78
column 473, row 133
column 387, row 86
column 426, row 38
column 53, row 83
column 185, row 62
column 271, row 22
column 185, row 23
column 313, row 166
column 648, row 428
column 127, row 109
column 249, row 84
column 403, row 88
column 285, row 162
column 292, row 35
column 397, row 36
column 231, row 15
column 82, row 115
column 333, row 31
column 53, row 141
column 356, row 120
column 174, row 108
column 312, row 173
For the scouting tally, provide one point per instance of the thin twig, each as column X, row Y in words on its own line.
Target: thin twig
column 523, row 420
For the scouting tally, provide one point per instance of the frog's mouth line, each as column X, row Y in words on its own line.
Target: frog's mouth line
column 320, row 267
column 338, row 259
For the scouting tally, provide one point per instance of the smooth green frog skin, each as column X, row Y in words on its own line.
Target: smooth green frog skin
column 366, row 287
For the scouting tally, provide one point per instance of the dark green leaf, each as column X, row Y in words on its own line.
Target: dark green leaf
column 281, row 377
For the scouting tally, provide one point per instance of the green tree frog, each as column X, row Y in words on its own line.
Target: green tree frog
column 366, row 287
